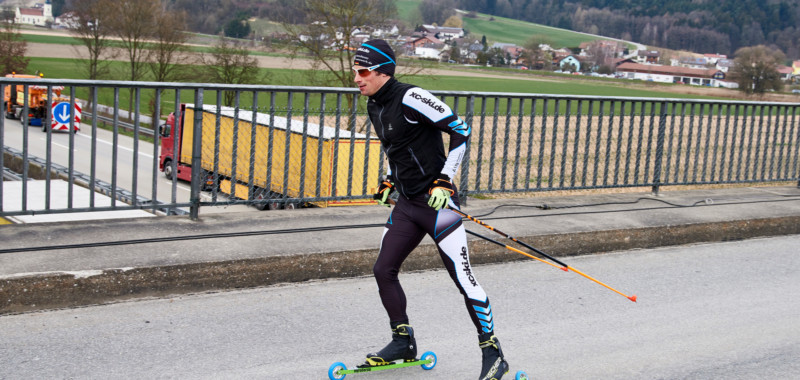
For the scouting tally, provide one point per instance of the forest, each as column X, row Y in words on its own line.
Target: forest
column 702, row 26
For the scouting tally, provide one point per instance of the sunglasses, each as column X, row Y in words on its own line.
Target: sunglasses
column 365, row 72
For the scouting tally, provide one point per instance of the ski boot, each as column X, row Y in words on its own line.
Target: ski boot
column 494, row 364
column 403, row 346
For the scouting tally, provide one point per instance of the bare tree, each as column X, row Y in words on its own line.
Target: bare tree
column 534, row 55
column 133, row 22
column 602, row 53
column 12, row 46
column 755, row 69
column 168, row 45
column 231, row 64
column 436, row 11
column 329, row 42
column 92, row 29
column 328, row 38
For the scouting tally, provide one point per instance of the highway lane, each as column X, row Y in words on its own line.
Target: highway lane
column 708, row 311
column 104, row 144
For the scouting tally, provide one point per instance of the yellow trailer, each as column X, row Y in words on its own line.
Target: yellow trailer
column 282, row 165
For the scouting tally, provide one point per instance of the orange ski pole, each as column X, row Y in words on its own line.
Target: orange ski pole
column 516, row 250
column 565, row 266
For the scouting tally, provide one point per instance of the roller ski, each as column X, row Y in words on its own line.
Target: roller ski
column 399, row 353
column 494, row 364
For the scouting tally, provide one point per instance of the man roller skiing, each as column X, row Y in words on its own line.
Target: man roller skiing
column 409, row 122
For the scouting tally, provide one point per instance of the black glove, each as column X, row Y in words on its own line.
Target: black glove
column 385, row 189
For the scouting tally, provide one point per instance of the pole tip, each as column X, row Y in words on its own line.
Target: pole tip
column 565, row 269
column 632, row 298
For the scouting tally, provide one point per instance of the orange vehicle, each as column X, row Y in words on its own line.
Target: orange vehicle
column 39, row 104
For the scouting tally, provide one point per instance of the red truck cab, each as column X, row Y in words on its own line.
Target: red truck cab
column 169, row 134
column 171, row 131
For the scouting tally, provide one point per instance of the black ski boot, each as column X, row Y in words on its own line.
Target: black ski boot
column 494, row 364
column 403, row 346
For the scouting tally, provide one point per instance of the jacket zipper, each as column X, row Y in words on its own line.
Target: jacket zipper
column 416, row 160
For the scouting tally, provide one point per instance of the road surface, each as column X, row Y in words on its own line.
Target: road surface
column 710, row 311
column 104, row 145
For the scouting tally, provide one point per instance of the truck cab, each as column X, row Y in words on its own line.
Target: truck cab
column 170, row 132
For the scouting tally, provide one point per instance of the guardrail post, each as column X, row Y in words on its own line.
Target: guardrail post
column 197, row 164
column 662, row 127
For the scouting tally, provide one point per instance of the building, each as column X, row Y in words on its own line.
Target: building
column 785, row 72
column 39, row 15
column 570, row 63
column 674, row 74
column 443, row 33
column 693, row 62
column 648, row 56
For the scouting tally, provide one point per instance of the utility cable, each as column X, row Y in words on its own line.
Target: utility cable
column 705, row 202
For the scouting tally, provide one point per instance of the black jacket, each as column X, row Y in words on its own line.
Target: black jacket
column 409, row 122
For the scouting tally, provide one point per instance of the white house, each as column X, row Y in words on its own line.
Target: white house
column 444, row 33
column 39, row 15
column 426, row 52
column 674, row 74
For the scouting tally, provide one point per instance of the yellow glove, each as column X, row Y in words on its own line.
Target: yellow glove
column 384, row 190
column 440, row 192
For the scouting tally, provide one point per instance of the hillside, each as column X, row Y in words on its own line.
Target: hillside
column 701, row 26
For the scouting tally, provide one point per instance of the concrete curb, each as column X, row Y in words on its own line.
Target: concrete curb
column 53, row 290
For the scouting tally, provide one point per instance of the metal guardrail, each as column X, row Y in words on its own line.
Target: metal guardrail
column 84, row 180
column 519, row 143
column 126, row 126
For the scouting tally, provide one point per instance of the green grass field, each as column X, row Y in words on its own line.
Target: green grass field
column 72, row 69
column 499, row 29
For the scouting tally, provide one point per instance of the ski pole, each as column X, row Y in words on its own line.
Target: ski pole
column 632, row 298
column 515, row 250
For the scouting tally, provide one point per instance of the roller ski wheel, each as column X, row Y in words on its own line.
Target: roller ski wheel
column 338, row 371
column 521, row 375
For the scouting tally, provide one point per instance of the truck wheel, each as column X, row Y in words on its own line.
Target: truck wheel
column 168, row 169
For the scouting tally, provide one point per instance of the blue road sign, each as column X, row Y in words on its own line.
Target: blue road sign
column 61, row 113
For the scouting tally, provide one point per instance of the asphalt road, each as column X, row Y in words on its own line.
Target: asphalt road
column 104, row 144
column 711, row 311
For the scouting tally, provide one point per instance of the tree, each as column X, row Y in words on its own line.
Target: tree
column 237, row 28
column 454, row 22
column 455, row 53
column 327, row 39
column 133, row 22
column 231, row 64
column 12, row 46
column 533, row 55
column 755, row 69
column 168, row 45
column 92, row 29
column 601, row 53
column 436, row 11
